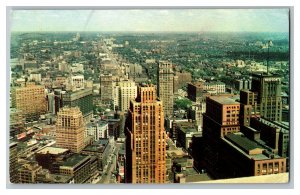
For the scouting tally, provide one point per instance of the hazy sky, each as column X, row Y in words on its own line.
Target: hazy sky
column 258, row 20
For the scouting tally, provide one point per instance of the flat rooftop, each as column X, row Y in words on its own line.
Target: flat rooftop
column 52, row 150
column 74, row 160
column 224, row 100
column 242, row 142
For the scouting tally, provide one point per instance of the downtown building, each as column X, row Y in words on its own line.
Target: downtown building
column 106, row 88
column 145, row 139
column 165, row 87
column 267, row 88
column 221, row 118
column 127, row 92
column 31, row 100
column 70, row 129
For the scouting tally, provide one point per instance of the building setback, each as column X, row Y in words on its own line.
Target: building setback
column 145, row 139
column 242, row 157
column 70, row 129
column 166, row 86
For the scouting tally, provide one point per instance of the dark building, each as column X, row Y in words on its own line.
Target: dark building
column 48, row 157
column 81, row 98
column 195, row 91
column 268, row 89
column 242, row 157
column 13, row 162
column 221, row 118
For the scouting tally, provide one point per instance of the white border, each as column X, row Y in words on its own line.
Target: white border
column 180, row 3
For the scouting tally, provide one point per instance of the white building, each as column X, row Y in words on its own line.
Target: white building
column 77, row 82
column 35, row 77
column 127, row 92
column 98, row 129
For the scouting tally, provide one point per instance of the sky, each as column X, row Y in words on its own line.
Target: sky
column 188, row 20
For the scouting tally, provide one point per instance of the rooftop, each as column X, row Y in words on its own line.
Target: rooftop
column 74, row 160
column 224, row 100
column 52, row 150
column 242, row 142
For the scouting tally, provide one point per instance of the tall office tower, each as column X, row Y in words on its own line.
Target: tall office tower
column 165, row 83
column 145, row 139
column 31, row 100
column 70, row 129
column 128, row 92
column 13, row 162
column 106, row 88
column 268, row 89
column 82, row 98
column 220, row 119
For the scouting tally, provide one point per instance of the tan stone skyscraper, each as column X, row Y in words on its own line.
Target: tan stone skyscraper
column 70, row 129
column 145, row 139
column 165, row 84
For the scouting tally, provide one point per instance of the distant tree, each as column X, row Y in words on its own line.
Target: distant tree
column 182, row 104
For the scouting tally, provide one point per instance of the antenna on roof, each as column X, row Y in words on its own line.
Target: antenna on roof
column 269, row 44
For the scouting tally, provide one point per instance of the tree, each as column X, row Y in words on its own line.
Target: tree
column 182, row 104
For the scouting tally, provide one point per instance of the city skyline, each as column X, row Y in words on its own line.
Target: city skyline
column 141, row 20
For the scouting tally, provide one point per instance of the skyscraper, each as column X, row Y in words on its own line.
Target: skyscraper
column 268, row 89
column 70, row 129
column 145, row 139
column 220, row 119
column 31, row 100
column 106, row 88
column 128, row 91
column 165, row 83
column 82, row 98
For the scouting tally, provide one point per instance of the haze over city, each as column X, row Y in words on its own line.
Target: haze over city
column 145, row 20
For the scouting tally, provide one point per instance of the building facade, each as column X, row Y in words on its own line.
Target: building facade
column 145, row 139
column 70, row 129
column 128, row 92
column 31, row 100
column 166, row 86
column 268, row 89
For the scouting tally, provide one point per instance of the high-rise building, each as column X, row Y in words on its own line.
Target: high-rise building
column 145, row 139
column 220, row 119
column 128, row 91
column 106, row 88
column 82, row 98
column 268, row 89
column 31, row 100
column 70, row 129
column 165, row 83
